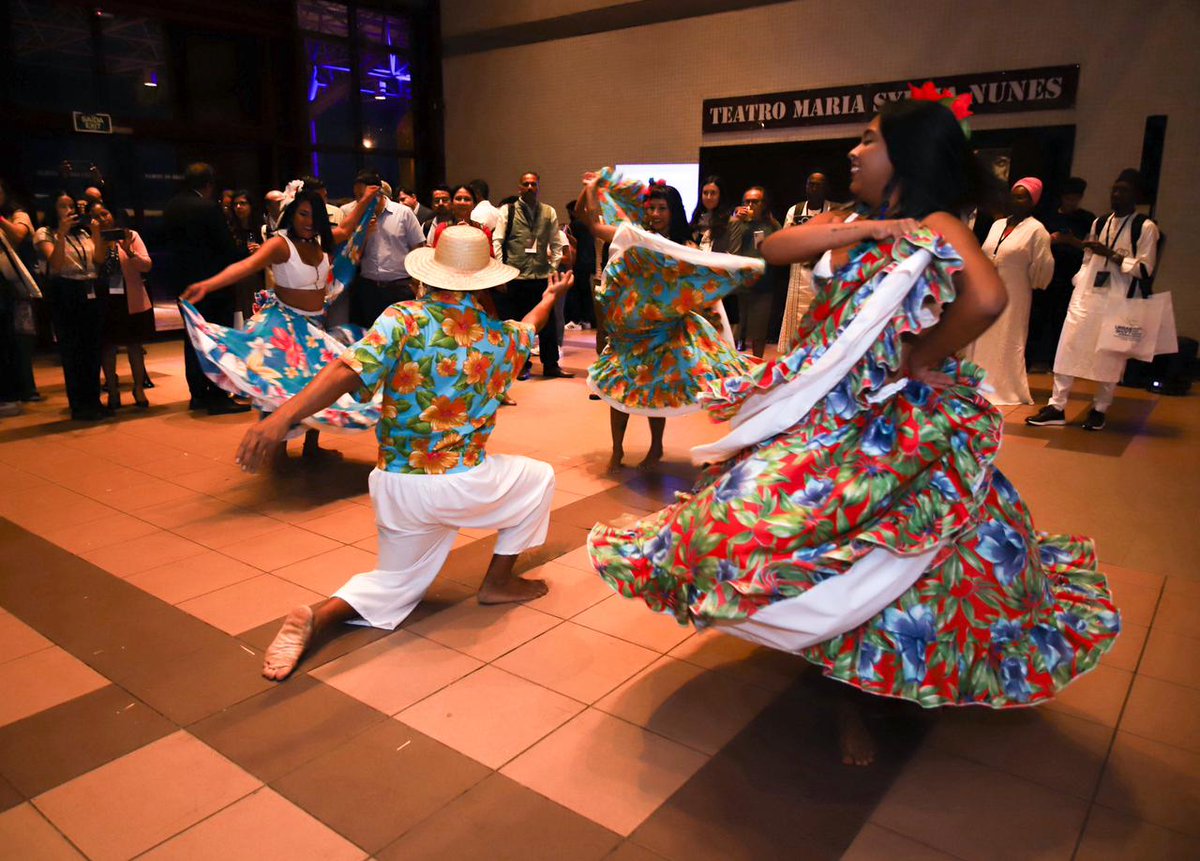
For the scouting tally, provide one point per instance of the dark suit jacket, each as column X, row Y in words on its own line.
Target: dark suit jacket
column 198, row 239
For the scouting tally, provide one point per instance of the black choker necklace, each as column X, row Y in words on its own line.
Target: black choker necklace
column 309, row 239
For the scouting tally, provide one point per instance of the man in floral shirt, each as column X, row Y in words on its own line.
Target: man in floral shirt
column 445, row 366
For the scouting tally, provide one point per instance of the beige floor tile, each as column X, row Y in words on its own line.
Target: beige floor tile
column 484, row 633
column 610, row 771
column 228, row 528
column 975, row 812
column 1154, row 782
column 490, row 715
column 192, row 576
column 1178, row 613
column 326, row 572
column 250, row 603
column 263, row 826
column 149, row 493
column 348, row 524
column 578, row 559
column 18, row 639
column 1097, row 696
column 25, row 834
column 583, row 480
column 631, row 620
column 135, row 802
column 1127, row 650
column 114, row 529
column 397, row 671
column 700, row 708
column 1056, row 750
column 183, row 513
column 148, row 551
column 875, row 843
column 1164, row 712
column 1165, row 657
column 581, row 663
column 1113, row 836
column 41, row 680
column 280, row 548
column 571, row 590
column 755, row 664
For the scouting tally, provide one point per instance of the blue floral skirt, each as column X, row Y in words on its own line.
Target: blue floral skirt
column 279, row 352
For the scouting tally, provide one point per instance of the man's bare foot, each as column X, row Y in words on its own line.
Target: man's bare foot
column 512, row 591
column 614, row 462
column 855, row 740
column 289, row 644
column 651, row 459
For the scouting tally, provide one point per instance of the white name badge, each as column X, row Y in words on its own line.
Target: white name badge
column 532, row 249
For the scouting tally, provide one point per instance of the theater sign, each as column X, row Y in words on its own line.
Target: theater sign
column 1046, row 89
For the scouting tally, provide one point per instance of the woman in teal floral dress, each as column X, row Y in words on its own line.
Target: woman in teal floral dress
column 660, row 354
column 854, row 515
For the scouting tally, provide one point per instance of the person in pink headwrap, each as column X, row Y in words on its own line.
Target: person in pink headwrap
column 1019, row 247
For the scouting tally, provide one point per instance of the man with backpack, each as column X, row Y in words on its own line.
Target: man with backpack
column 527, row 237
column 1119, row 258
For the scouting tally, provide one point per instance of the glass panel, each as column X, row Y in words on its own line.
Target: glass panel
column 328, row 87
column 319, row 16
column 386, row 92
column 52, row 58
column 135, row 63
column 394, row 171
column 337, row 170
column 383, row 29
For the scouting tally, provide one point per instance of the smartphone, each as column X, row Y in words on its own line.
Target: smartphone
column 115, row 234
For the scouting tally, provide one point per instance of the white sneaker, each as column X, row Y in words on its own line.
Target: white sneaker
column 536, row 350
column 572, row 327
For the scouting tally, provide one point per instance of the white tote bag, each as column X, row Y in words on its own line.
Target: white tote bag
column 1130, row 327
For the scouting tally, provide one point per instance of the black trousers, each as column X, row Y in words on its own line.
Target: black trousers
column 216, row 308
column 370, row 298
column 521, row 297
column 79, row 329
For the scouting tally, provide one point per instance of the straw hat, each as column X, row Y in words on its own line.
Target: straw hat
column 462, row 261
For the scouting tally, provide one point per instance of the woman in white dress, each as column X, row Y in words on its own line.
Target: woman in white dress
column 1019, row 247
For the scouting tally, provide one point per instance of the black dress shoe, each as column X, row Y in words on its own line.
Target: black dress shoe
column 197, row 404
column 227, row 408
column 556, row 374
column 524, row 375
column 149, row 384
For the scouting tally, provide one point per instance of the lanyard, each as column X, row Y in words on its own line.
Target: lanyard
column 1108, row 227
column 80, row 249
column 1004, row 234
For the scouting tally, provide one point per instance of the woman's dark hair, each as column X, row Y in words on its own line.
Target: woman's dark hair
column 722, row 199
column 10, row 205
column 463, row 186
column 320, row 217
column 935, row 169
column 679, row 230
column 50, row 217
column 238, row 194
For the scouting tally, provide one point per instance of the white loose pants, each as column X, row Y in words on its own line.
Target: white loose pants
column 1062, row 389
column 418, row 517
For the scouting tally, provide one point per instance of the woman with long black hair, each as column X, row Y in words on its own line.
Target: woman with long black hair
column 854, row 515
column 284, row 345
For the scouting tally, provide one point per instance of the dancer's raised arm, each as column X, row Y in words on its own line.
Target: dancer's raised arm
column 826, row 231
column 559, row 283
column 274, row 251
column 587, row 207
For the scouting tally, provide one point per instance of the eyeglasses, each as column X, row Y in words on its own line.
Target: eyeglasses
column 529, row 185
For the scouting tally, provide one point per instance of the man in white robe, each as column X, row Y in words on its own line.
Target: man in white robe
column 1120, row 253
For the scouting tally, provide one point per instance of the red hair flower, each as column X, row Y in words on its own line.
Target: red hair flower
column 960, row 106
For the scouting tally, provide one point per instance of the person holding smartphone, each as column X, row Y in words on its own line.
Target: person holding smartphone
column 72, row 265
column 129, row 313
column 751, row 224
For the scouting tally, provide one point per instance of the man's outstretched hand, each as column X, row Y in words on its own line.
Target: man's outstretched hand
column 259, row 442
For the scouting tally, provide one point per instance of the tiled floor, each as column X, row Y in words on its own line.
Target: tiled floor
column 143, row 574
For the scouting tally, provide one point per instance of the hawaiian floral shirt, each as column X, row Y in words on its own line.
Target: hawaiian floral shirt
column 444, row 365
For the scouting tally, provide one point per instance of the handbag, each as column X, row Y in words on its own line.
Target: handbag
column 13, row 270
column 1131, row 327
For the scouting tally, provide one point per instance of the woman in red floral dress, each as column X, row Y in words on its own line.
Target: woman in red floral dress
column 854, row 514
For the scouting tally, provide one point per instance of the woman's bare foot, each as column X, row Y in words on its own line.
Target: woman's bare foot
column 614, row 462
column 512, row 591
column 507, row 401
column 289, row 644
column 651, row 459
column 855, row 740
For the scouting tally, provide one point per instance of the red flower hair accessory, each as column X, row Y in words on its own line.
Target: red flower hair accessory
column 654, row 183
column 960, row 106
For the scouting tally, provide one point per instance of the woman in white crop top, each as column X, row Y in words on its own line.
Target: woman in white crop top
column 284, row 345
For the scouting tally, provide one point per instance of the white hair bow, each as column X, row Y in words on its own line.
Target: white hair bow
column 289, row 193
